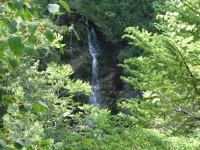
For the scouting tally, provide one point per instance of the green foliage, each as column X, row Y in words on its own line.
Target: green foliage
column 129, row 52
column 112, row 17
column 169, row 74
column 38, row 34
column 64, row 5
column 22, row 35
column 48, row 98
column 41, row 113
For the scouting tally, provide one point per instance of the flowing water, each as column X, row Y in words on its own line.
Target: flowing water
column 95, row 96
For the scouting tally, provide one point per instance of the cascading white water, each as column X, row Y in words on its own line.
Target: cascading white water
column 95, row 96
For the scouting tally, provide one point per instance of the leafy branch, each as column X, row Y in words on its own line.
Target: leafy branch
column 179, row 109
column 182, row 57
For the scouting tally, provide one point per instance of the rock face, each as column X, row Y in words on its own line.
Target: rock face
column 78, row 62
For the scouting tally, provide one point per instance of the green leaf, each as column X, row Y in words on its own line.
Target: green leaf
column 27, row 5
column 3, row 144
column 22, row 26
column 48, row 22
column 39, row 108
column 32, row 40
column 59, row 13
column 12, row 25
column 19, row 117
column 61, row 48
column 32, row 27
column 29, row 142
column 2, row 56
column 64, row 5
column 49, row 35
column 43, row 104
column 46, row 143
column 17, row 128
column 8, row 99
column 30, row 50
column 3, row 44
column 88, row 142
column 13, row 107
column 22, row 110
column 15, row 44
column 19, row 144
column 28, row 107
column 18, row 4
column 58, row 145
column 76, row 34
column 2, row 32
column 70, row 148
column 5, row 21
column 26, row 15
column 34, row 12
column 13, row 63
column 53, row 8
column 11, row 6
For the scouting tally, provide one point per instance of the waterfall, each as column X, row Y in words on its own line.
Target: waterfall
column 70, row 43
column 95, row 96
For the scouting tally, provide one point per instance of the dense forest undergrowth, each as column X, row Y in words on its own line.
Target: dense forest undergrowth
column 149, row 75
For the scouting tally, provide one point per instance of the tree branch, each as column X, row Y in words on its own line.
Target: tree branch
column 187, row 67
column 179, row 109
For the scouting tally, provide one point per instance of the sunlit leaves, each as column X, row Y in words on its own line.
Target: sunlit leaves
column 64, row 5
column 22, row 34
column 169, row 71
column 8, row 99
column 39, row 108
column 28, row 5
column 26, row 15
column 11, row 6
column 61, row 48
column 43, row 104
column 88, row 142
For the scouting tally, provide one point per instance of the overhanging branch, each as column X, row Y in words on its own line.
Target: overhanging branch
column 179, row 109
column 179, row 52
